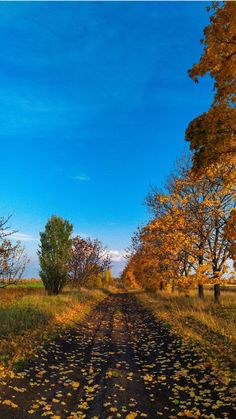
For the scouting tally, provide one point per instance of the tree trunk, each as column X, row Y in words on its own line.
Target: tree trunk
column 200, row 291
column 217, row 293
column 161, row 286
column 53, row 292
column 200, row 263
column 216, row 272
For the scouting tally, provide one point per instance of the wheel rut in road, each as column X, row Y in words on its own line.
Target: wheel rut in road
column 120, row 362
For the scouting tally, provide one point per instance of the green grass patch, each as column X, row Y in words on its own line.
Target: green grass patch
column 28, row 284
column 21, row 316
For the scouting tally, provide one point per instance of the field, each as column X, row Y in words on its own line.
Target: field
column 28, row 283
column 211, row 326
column 29, row 317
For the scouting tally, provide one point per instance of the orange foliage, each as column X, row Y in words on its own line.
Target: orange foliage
column 230, row 232
column 185, row 243
column 213, row 134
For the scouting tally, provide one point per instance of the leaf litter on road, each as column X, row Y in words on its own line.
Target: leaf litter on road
column 121, row 362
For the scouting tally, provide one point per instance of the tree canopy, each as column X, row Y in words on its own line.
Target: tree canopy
column 212, row 136
column 54, row 253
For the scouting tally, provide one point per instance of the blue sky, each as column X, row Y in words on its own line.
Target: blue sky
column 94, row 102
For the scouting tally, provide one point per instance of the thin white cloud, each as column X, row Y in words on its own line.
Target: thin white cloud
column 83, row 177
column 116, row 255
column 23, row 237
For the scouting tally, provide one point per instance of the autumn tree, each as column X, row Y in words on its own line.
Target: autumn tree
column 170, row 245
column 88, row 259
column 54, row 254
column 185, row 242
column 180, row 220
column 209, row 215
column 128, row 277
column 189, row 238
column 203, row 204
column 230, row 234
column 219, row 55
column 153, row 260
column 5, row 230
column 137, row 272
column 107, row 278
column 213, row 134
column 160, row 260
column 13, row 258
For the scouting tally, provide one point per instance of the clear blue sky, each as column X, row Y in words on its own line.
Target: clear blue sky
column 94, row 102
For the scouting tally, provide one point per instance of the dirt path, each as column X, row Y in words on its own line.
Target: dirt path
column 122, row 363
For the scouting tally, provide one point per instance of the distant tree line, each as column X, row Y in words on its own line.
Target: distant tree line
column 63, row 258
column 191, row 236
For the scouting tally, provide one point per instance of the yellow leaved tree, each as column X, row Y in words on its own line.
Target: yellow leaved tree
column 213, row 134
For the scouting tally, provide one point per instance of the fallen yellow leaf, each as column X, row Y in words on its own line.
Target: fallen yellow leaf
column 10, row 404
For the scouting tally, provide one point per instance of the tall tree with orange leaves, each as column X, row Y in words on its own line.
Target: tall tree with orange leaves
column 230, row 233
column 213, row 134
column 185, row 243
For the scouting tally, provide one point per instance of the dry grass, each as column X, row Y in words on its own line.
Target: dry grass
column 29, row 317
column 212, row 327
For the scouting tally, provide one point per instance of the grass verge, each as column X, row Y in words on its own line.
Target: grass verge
column 203, row 324
column 29, row 318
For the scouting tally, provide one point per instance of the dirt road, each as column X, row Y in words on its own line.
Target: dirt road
column 121, row 362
